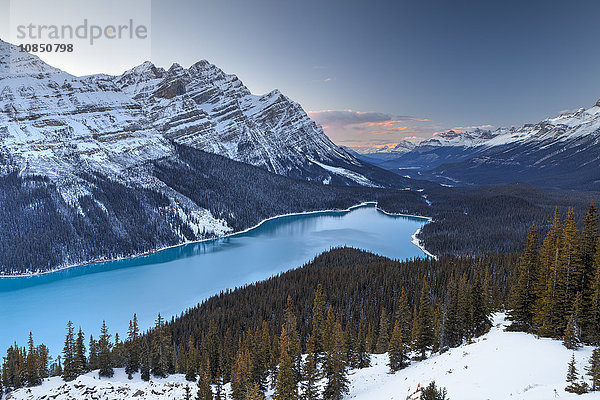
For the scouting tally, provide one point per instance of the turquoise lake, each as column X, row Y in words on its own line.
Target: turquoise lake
column 175, row 279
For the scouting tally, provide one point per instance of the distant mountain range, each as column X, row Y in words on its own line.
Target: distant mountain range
column 560, row 152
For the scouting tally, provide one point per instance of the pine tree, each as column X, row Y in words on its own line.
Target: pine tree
column 133, row 348
column 547, row 280
column 286, row 384
column 204, row 388
column 241, row 374
column 33, row 376
column 572, row 337
column 424, row 334
column 255, row 393
column 334, row 362
column 310, row 373
column 319, row 314
column 219, row 392
column 403, row 316
column 480, row 316
column 145, row 360
column 397, row 350
column 93, row 358
column 81, row 364
column 431, row 392
column 262, row 356
column 574, row 385
column 593, row 369
column 523, row 297
column 384, row 327
column 69, row 366
column 161, row 349
column 104, row 353
column 363, row 358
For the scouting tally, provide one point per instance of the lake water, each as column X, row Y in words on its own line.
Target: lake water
column 175, row 279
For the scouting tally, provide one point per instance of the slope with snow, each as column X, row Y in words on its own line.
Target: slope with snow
column 497, row 366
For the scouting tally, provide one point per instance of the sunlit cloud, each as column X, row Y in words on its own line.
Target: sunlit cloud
column 369, row 129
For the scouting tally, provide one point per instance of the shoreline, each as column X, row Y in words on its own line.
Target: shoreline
column 414, row 240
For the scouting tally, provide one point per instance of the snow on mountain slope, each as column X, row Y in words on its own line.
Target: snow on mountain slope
column 212, row 111
column 498, row 366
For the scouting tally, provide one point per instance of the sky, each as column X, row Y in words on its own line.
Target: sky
column 375, row 72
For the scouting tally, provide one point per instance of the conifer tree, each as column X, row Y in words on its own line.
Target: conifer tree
column 286, row 384
column 593, row 369
column 319, row 314
column 397, row 350
column 431, row 392
column 219, row 392
column 133, row 348
column 161, row 352
column 262, row 356
column 241, row 375
column 384, row 326
column 33, row 376
column 424, row 334
column 81, row 364
column 255, row 393
column 523, row 297
column 93, row 358
column 310, row 373
column 145, row 362
column 104, row 353
column 403, row 316
column 573, row 383
column 480, row 316
column 334, row 362
column 545, row 289
column 572, row 337
column 363, row 358
column 204, row 388
column 192, row 361
column 69, row 366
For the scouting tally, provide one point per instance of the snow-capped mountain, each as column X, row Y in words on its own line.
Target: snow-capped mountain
column 134, row 117
column 108, row 166
column 561, row 152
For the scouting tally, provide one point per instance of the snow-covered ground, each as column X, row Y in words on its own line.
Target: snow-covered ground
column 500, row 365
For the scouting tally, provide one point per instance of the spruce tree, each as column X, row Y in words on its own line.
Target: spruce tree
column 255, row 393
column 593, row 369
column 383, row 339
column 319, row 315
column 573, row 383
column 588, row 249
column 133, row 348
column 33, row 376
column 145, row 362
column 219, row 391
column 572, row 336
column 431, row 392
column 397, row 349
column 93, row 358
column 161, row 351
column 204, row 388
column 69, row 366
column 241, row 374
column 286, row 384
column 480, row 316
column 81, row 364
column 334, row 362
column 424, row 335
column 363, row 358
column 523, row 296
column 104, row 353
column 310, row 373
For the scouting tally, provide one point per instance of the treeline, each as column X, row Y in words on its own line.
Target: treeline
column 557, row 290
column 337, row 310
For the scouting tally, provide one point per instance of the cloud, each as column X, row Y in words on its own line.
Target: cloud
column 359, row 128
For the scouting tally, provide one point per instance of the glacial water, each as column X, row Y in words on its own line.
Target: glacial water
column 174, row 279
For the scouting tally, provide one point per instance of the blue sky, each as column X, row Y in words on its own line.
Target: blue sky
column 376, row 72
